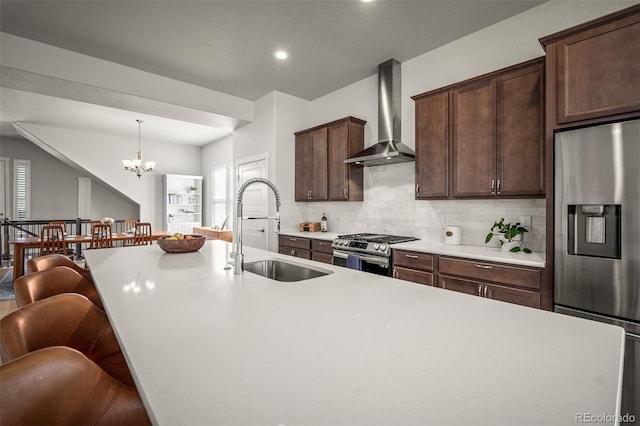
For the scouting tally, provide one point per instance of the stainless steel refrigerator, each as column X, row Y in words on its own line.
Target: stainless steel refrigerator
column 597, row 235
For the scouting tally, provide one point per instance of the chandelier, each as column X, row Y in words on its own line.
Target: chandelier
column 137, row 166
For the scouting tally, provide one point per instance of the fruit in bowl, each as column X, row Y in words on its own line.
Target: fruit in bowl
column 179, row 243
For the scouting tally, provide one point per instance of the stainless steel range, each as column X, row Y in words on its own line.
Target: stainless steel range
column 373, row 250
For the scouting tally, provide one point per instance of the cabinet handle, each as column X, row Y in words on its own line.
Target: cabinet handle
column 395, row 273
column 345, row 194
column 485, row 291
column 493, row 187
column 417, row 188
column 480, row 290
column 320, row 243
column 498, row 186
column 443, row 283
column 483, row 266
column 411, row 256
column 293, row 239
column 293, row 252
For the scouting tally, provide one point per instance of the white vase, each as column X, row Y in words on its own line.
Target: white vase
column 508, row 245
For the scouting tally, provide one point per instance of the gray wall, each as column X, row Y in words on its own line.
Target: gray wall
column 54, row 186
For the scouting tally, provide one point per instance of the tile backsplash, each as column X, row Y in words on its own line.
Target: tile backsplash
column 389, row 207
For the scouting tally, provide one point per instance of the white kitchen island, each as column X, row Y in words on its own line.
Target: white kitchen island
column 206, row 347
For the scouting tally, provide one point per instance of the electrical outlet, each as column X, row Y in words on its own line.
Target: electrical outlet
column 525, row 221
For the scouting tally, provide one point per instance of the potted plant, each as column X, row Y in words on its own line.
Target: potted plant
column 193, row 189
column 510, row 235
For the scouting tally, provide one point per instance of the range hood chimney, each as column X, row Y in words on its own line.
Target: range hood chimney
column 389, row 149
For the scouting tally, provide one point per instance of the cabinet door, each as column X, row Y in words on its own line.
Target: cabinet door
column 432, row 146
column 345, row 138
column 461, row 285
column 473, row 139
column 304, row 157
column 318, row 168
column 413, row 275
column 520, row 132
column 322, row 257
column 598, row 71
column 513, row 295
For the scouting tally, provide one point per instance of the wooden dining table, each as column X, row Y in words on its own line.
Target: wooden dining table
column 20, row 245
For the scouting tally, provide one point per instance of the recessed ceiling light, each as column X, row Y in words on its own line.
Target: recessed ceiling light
column 366, row 1
column 281, row 54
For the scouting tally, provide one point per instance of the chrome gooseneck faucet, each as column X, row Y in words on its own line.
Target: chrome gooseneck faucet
column 237, row 255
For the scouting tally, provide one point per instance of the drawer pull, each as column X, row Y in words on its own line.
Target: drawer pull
column 322, row 244
column 479, row 289
column 485, row 291
column 483, row 266
column 411, row 256
column 293, row 239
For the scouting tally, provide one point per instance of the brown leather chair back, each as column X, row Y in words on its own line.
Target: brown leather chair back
column 48, row 261
column 69, row 320
column 60, row 386
column 57, row 280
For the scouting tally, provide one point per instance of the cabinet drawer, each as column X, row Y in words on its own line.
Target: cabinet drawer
column 413, row 275
column 322, row 257
column 295, row 242
column 460, row 285
column 513, row 295
column 322, row 246
column 304, row 254
column 414, row 260
column 487, row 271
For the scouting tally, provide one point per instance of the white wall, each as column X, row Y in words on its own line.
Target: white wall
column 54, row 186
column 102, row 156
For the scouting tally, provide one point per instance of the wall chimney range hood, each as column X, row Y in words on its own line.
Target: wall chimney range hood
column 389, row 149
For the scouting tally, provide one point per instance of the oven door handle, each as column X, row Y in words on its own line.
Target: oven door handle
column 380, row 261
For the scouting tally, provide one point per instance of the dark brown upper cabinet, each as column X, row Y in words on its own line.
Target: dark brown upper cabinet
column 321, row 173
column 483, row 137
column 594, row 68
column 432, row 146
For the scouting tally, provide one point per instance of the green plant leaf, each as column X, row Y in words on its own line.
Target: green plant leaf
column 526, row 250
column 488, row 237
column 515, row 249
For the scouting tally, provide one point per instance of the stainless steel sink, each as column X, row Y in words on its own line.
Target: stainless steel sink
column 284, row 271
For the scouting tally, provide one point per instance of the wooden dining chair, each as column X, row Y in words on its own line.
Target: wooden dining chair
column 142, row 236
column 101, row 236
column 52, row 240
column 129, row 224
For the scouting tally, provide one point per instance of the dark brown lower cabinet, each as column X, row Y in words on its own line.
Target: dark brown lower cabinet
column 294, row 246
column 491, row 291
column 508, row 283
column 321, row 251
column 306, row 248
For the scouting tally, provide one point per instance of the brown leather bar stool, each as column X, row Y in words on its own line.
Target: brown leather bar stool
column 57, row 280
column 48, row 261
column 64, row 320
column 59, row 385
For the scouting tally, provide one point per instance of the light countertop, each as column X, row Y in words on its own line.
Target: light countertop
column 206, row 346
column 491, row 254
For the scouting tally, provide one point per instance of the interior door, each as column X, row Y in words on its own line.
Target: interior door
column 255, row 204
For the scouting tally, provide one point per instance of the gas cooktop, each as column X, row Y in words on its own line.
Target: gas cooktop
column 376, row 238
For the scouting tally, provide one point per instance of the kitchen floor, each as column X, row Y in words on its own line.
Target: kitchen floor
column 7, row 306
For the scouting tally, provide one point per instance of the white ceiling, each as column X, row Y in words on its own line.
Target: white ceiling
column 228, row 46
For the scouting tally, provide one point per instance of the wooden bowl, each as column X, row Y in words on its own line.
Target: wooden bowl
column 195, row 243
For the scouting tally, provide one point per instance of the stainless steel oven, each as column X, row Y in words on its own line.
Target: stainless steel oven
column 373, row 251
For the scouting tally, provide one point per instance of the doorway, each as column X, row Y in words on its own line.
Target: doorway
column 255, row 203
